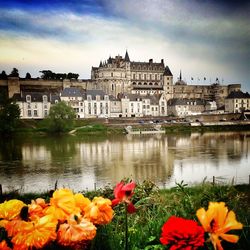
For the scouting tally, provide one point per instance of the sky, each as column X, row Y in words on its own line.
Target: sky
column 202, row 38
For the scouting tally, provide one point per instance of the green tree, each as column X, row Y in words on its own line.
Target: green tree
column 9, row 114
column 28, row 75
column 61, row 118
column 14, row 73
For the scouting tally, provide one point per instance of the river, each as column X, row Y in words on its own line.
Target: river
column 31, row 164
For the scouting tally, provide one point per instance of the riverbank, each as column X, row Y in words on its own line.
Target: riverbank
column 117, row 126
column 154, row 206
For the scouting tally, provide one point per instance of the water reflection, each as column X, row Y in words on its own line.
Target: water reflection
column 36, row 163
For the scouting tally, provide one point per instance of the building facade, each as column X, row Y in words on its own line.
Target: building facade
column 237, row 102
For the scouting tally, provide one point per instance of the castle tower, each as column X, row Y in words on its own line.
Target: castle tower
column 168, row 83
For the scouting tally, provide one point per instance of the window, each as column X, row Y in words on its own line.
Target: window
column 45, row 106
column 111, row 74
column 29, row 106
column 89, row 97
column 28, row 98
column 133, row 76
column 29, row 113
column 45, row 112
column 145, row 77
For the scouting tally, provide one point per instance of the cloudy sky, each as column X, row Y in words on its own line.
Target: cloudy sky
column 202, row 38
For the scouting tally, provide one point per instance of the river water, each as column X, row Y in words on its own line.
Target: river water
column 35, row 163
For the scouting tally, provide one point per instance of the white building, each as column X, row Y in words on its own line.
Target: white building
column 35, row 105
column 185, row 107
column 237, row 101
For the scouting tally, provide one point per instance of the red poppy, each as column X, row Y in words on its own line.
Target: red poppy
column 123, row 193
column 182, row 234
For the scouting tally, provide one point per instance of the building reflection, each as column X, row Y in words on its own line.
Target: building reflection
column 78, row 163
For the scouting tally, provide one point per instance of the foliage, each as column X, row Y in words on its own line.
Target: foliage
column 3, row 76
column 49, row 75
column 61, row 118
column 28, row 75
column 9, row 114
column 14, row 73
column 155, row 206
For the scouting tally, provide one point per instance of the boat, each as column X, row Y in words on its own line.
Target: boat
column 157, row 129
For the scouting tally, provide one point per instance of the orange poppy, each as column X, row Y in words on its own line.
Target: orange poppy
column 35, row 234
column 99, row 211
column 10, row 209
column 4, row 246
column 36, row 208
column 81, row 201
column 62, row 204
column 217, row 221
column 76, row 230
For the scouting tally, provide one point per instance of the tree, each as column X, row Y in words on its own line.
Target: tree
column 14, row 73
column 9, row 114
column 28, row 75
column 61, row 118
column 3, row 76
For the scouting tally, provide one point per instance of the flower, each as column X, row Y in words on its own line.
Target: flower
column 62, row 204
column 81, row 201
column 4, row 246
column 36, row 208
column 10, row 209
column 217, row 221
column 99, row 211
column 182, row 234
column 75, row 231
column 123, row 193
column 35, row 234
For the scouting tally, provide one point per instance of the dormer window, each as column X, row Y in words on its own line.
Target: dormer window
column 45, row 98
column 28, row 98
column 106, row 97
column 89, row 97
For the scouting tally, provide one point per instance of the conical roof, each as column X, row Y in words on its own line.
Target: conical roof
column 126, row 57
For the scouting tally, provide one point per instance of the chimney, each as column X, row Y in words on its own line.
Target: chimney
column 150, row 60
column 162, row 61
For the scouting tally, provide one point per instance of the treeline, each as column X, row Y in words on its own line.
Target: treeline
column 46, row 75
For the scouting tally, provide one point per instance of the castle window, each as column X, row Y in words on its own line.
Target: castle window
column 139, row 76
column 29, row 113
column 45, row 98
column 145, row 77
column 112, row 87
column 133, row 76
column 134, row 83
column 156, row 77
column 145, row 83
column 111, row 74
column 150, row 77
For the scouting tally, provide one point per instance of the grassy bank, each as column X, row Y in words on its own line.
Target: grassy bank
column 155, row 206
column 99, row 126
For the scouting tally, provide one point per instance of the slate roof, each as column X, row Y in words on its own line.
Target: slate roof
column 167, row 72
column 72, row 92
column 238, row 95
column 35, row 96
column 175, row 101
column 126, row 57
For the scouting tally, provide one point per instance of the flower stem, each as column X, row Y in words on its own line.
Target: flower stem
column 126, row 226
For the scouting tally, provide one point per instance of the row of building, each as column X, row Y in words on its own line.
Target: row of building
column 120, row 87
column 98, row 104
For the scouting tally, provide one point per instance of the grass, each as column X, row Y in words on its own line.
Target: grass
column 155, row 206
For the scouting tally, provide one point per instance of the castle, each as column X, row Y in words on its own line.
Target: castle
column 116, row 76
